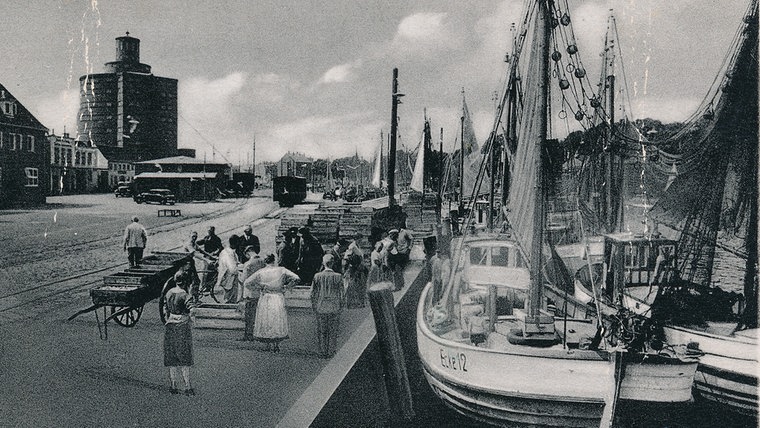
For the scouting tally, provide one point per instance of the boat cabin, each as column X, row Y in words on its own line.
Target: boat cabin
column 638, row 260
column 500, row 263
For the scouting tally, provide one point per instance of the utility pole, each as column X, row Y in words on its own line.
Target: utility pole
column 395, row 101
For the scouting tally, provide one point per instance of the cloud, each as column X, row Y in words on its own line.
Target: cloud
column 339, row 74
column 270, row 88
column 423, row 32
column 421, row 27
column 59, row 111
column 208, row 115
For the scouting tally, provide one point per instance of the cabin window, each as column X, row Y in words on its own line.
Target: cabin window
column 500, row 256
column 478, row 256
column 32, row 177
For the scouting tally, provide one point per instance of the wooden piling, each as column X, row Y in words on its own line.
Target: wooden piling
column 491, row 309
column 394, row 365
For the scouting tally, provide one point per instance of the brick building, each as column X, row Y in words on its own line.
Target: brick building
column 129, row 108
column 295, row 164
column 24, row 158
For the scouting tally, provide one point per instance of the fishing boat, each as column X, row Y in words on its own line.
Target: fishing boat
column 493, row 366
column 720, row 160
column 490, row 346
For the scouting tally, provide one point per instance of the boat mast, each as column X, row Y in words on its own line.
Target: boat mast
column 395, row 101
column 382, row 145
column 461, row 155
column 542, row 39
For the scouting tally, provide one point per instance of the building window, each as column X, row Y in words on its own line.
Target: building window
column 30, row 142
column 89, row 158
column 1, row 139
column 32, row 177
column 57, row 155
column 9, row 108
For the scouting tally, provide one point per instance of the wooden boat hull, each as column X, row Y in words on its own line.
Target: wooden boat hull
column 657, row 379
column 523, row 387
column 727, row 373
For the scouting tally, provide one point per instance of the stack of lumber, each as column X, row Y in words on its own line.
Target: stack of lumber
column 324, row 226
column 289, row 220
column 357, row 219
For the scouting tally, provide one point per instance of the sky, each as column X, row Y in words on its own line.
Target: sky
column 315, row 76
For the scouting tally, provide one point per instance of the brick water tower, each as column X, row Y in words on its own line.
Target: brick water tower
column 129, row 108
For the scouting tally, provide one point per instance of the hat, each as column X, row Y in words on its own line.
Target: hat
column 180, row 277
column 327, row 258
column 304, row 229
column 392, row 231
column 250, row 248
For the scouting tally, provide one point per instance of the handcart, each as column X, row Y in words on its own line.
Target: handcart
column 127, row 292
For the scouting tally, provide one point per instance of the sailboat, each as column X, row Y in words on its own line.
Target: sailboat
column 490, row 346
column 720, row 161
column 493, row 364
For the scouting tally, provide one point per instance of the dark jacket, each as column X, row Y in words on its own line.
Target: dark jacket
column 246, row 241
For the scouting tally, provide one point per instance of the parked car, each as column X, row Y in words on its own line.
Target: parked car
column 157, row 196
column 123, row 192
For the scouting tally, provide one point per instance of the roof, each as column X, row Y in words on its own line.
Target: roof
column 185, row 175
column 296, row 157
column 179, row 160
column 23, row 117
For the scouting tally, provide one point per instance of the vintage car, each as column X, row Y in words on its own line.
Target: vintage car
column 123, row 192
column 156, row 196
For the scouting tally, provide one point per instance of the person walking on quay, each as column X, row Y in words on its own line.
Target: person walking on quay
column 192, row 244
column 392, row 260
column 337, row 252
column 405, row 241
column 327, row 300
column 355, row 281
column 250, row 294
column 309, row 255
column 376, row 269
column 248, row 239
column 227, row 273
column 271, row 322
column 287, row 251
column 354, row 248
column 135, row 239
column 178, row 334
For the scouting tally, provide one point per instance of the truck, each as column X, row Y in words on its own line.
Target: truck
column 288, row 190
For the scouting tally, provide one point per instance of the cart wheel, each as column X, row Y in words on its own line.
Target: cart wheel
column 127, row 319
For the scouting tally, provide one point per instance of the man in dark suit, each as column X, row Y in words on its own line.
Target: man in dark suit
column 247, row 240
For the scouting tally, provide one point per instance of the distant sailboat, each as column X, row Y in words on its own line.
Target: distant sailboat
column 377, row 169
column 418, row 177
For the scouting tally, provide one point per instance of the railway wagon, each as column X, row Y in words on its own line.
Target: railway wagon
column 288, row 190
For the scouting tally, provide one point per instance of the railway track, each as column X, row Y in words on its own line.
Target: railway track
column 59, row 290
column 34, row 254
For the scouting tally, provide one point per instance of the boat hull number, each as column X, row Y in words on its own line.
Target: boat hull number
column 454, row 360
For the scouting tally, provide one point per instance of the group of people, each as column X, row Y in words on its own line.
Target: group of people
column 339, row 279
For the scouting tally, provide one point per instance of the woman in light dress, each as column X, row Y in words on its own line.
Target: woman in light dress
column 271, row 324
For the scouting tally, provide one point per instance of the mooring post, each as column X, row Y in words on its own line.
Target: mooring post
column 394, row 365
column 491, row 310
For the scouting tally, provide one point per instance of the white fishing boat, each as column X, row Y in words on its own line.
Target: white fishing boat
column 491, row 347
